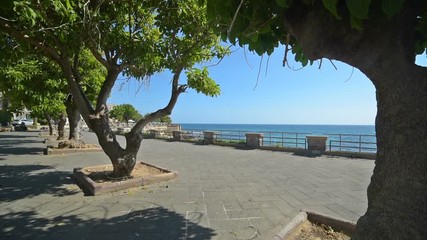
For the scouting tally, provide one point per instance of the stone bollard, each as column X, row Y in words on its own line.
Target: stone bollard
column 154, row 133
column 177, row 135
column 316, row 144
column 123, row 130
column 254, row 140
column 208, row 137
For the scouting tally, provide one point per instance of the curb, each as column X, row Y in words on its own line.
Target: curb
column 345, row 226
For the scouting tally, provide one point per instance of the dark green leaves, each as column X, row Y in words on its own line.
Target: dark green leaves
column 358, row 8
column 284, row 3
column 331, row 6
column 391, row 7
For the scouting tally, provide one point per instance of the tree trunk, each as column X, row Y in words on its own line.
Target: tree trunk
column 123, row 160
column 74, row 122
column 49, row 123
column 61, row 126
column 384, row 51
column 397, row 194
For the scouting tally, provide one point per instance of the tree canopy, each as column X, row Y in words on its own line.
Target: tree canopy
column 125, row 112
column 260, row 25
column 381, row 38
column 35, row 83
column 133, row 39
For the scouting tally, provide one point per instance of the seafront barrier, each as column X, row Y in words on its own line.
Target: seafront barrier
column 337, row 144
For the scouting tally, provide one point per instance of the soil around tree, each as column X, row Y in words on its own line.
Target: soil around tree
column 316, row 231
column 103, row 175
column 97, row 180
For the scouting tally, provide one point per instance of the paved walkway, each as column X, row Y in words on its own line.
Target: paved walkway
column 221, row 192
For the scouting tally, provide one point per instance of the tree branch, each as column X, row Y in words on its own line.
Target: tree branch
column 98, row 57
column 20, row 36
column 107, row 85
column 176, row 91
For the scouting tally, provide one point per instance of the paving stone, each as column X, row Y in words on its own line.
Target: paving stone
column 220, row 193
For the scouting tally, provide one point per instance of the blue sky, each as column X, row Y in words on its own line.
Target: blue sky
column 281, row 95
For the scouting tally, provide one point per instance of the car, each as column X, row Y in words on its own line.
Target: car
column 27, row 122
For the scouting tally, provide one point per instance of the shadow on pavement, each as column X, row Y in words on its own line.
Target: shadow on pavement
column 149, row 224
column 23, row 181
column 11, row 144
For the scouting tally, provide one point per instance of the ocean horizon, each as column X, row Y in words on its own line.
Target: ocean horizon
column 324, row 129
column 339, row 137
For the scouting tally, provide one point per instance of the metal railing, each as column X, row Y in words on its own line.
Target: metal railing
column 361, row 143
column 352, row 143
column 193, row 135
column 285, row 139
column 230, row 135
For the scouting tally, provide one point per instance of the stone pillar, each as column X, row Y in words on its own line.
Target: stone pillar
column 154, row 133
column 123, row 130
column 208, row 137
column 254, row 140
column 177, row 135
column 316, row 144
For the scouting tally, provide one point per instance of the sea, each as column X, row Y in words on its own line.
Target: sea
column 312, row 129
column 357, row 138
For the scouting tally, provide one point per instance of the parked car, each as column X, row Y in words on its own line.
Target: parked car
column 27, row 122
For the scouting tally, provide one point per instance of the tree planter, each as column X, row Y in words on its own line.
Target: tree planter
column 90, row 187
column 338, row 225
column 51, row 150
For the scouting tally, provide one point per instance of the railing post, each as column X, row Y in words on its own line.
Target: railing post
column 316, row 144
column 208, row 137
column 254, row 140
column 296, row 140
column 360, row 143
column 177, row 135
column 154, row 133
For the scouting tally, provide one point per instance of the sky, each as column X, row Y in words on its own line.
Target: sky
column 281, row 95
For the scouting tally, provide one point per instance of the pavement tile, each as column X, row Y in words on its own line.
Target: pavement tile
column 220, row 193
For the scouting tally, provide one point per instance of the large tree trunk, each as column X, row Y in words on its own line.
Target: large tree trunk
column 384, row 51
column 123, row 160
column 49, row 123
column 74, row 139
column 397, row 194
column 61, row 126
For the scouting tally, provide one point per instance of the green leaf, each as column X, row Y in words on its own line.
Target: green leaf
column 200, row 81
column 356, row 23
column 391, row 7
column 331, row 6
column 282, row 3
column 358, row 8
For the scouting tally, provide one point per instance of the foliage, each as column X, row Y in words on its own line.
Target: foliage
column 200, row 81
column 260, row 26
column 33, row 82
column 125, row 112
column 37, row 83
column 165, row 119
column 133, row 38
column 5, row 117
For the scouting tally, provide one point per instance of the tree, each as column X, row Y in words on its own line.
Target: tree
column 33, row 82
column 381, row 39
column 165, row 119
column 134, row 38
column 38, row 84
column 125, row 112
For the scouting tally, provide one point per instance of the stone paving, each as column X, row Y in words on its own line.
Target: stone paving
column 220, row 193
